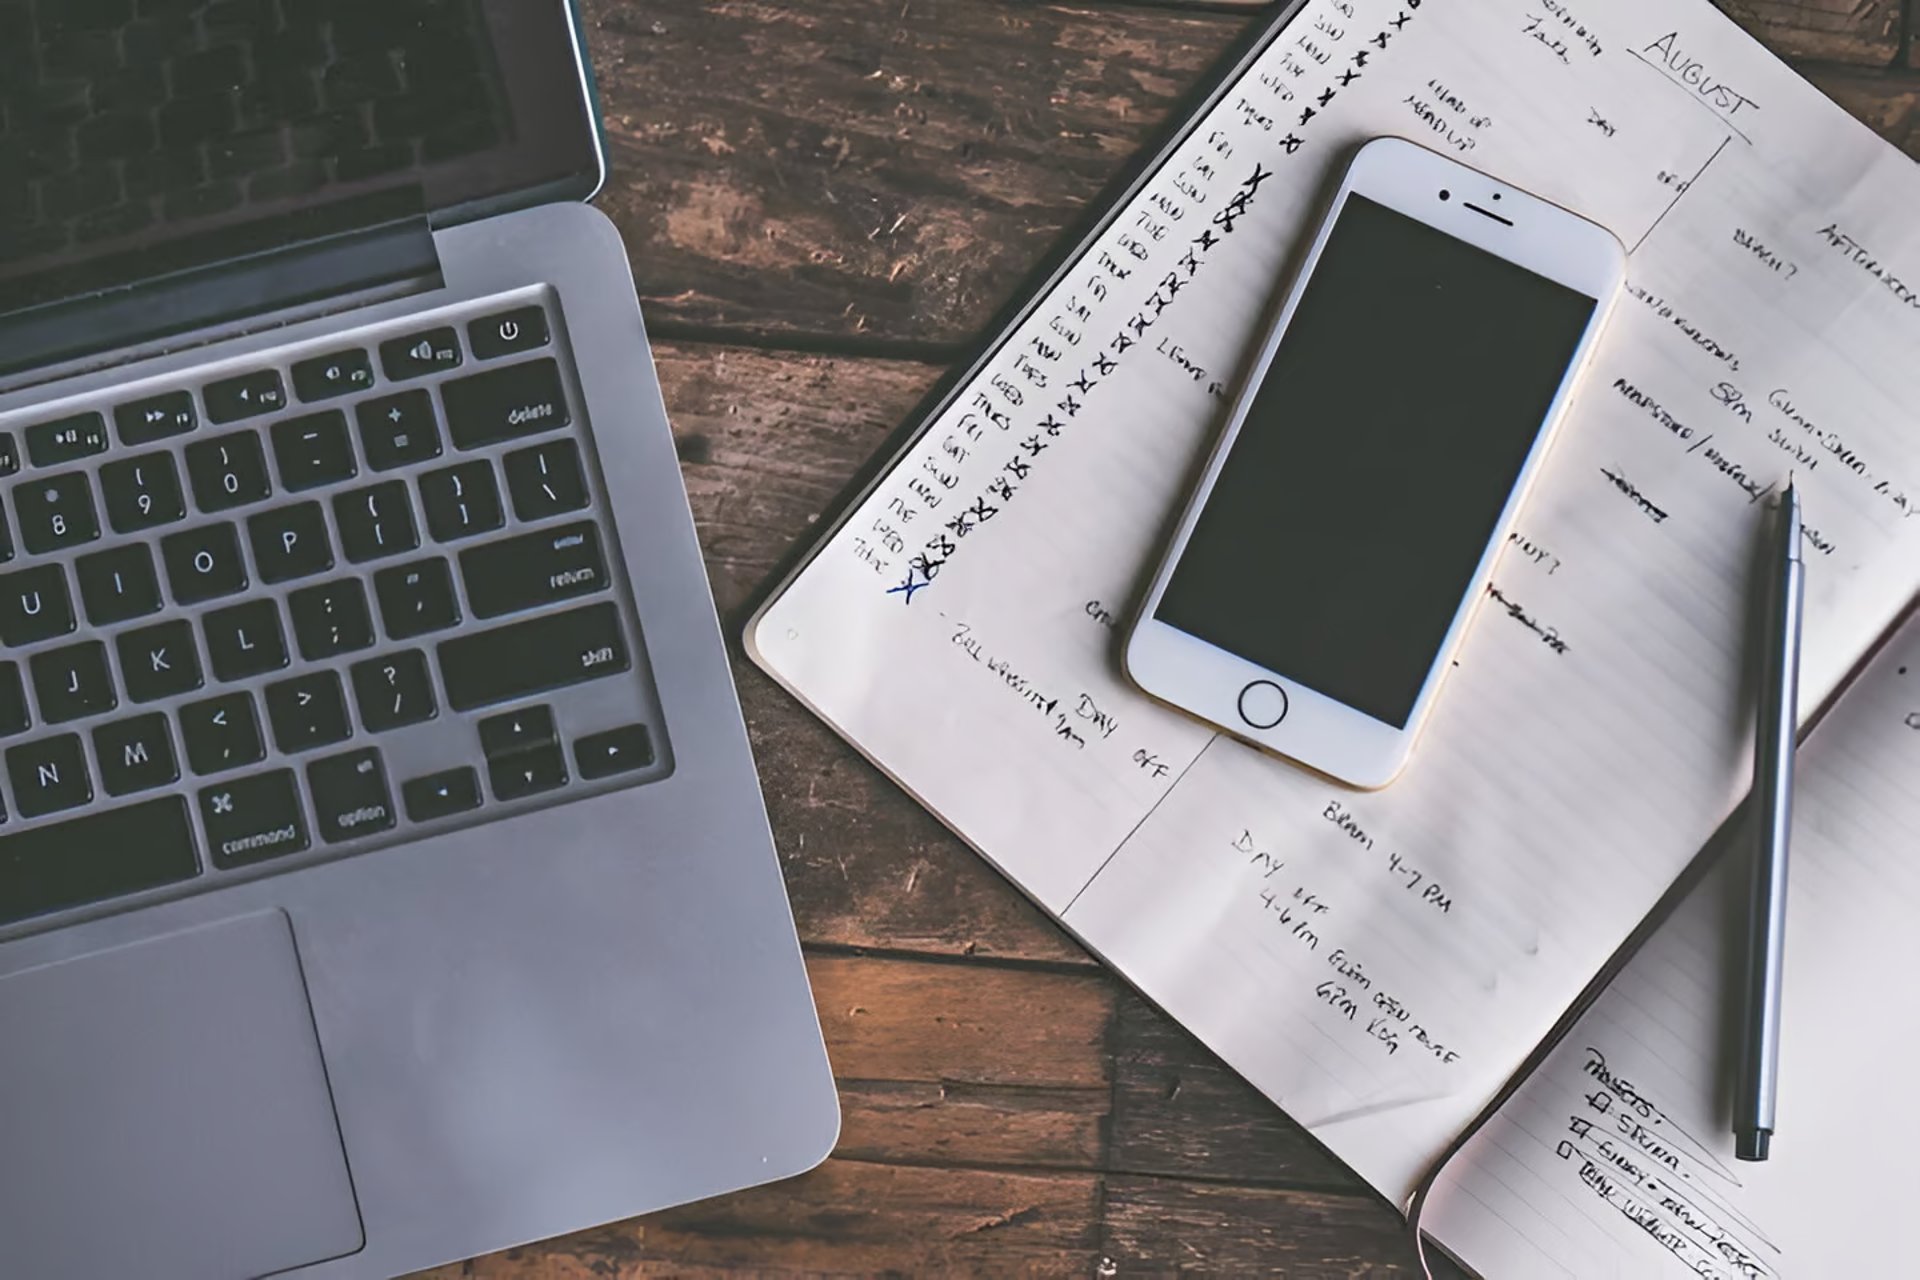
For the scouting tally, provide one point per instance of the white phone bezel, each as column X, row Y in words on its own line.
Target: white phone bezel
column 1315, row 730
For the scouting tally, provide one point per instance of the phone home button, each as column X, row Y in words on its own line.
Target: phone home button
column 1263, row 704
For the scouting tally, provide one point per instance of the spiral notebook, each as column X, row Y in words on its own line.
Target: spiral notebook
column 1384, row 965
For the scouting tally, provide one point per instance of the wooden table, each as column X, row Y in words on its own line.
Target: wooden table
column 826, row 201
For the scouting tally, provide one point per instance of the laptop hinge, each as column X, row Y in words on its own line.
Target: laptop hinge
column 298, row 261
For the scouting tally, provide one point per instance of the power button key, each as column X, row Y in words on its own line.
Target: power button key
column 508, row 333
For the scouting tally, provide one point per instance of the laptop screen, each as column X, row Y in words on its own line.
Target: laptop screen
column 144, row 137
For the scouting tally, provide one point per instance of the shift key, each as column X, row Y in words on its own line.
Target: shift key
column 533, row 656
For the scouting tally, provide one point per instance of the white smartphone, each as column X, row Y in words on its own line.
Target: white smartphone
column 1346, row 524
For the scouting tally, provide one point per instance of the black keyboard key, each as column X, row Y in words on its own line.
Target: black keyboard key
column 416, row 598
column 13, row 701
column 375, row 521
column 245, row 640
column 55, row 512
column 9, row 455
column 307, row 711
column 526, row 773
column 204, row 563
column 313, row 451
column 34, row 605
column 228, row 472
column 49, row 775
column 6, row 538
column 394, row 691
column 339, row 374
column 156, row 418
column 95, row 856
column 530, row 657
column 254, row 818
column 136, row 754
column 72, row 682
column 350, row 796
column 508, row 333
column 461, row 500
column 331, row 619
column 159, row 661
column 221, row 733
column 52, row 444
column 419, row 354
column 290, row 542
column 546, row 480
column 441, row 795
column 533, row 569
column 602, row 755
column 528, row 729
column 118, row 584
column 142, row 493
column 505, row 404
column 247, row 396
column 396, row 431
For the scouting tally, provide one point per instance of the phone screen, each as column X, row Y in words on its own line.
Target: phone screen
column 1375, row 459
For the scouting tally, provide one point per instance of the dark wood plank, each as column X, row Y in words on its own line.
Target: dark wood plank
column 1888, row 102
column 1156, row 1226
column 935, row 1023
column 846, row 1217
column 871, row 168
column 1862, row 32
column 1179, row 1111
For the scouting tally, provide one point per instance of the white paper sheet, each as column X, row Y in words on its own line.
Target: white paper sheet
column 1379, row 964
column 1616, row 1159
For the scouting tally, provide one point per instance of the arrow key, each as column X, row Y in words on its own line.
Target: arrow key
column 526, row 773
column 441, row 795
column 601, row 755
column 528, row 729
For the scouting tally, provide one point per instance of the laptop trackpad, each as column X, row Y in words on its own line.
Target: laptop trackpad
column 164, row 1112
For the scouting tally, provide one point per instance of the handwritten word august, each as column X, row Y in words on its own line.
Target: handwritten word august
column 1692, row 73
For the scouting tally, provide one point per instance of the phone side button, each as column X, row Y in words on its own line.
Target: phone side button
column 1263, row 704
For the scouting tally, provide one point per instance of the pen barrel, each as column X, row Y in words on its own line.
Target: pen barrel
column 1772, row 821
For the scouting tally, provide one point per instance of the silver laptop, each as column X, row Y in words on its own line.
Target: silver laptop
column 383, row 876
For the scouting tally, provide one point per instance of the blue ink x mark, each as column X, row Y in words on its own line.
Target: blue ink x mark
column 909, row 586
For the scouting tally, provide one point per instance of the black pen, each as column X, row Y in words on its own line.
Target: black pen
column 1772, row 815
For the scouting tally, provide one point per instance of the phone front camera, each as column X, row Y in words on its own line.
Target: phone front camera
column 1446, row 195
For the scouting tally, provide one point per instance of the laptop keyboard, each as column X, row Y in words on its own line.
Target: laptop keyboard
column 344, row 596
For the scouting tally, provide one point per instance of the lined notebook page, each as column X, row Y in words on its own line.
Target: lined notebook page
column 1615, row 1159
column 1379, row 964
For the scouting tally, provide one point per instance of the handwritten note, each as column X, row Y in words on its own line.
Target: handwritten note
column 1615, row 1158
column 1380, row 964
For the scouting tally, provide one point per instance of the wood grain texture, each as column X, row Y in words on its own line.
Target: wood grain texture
column 1160, row 1226
column 1179, row 1111
column 1862, row 32
column 861, row 169
column 844, row 1218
